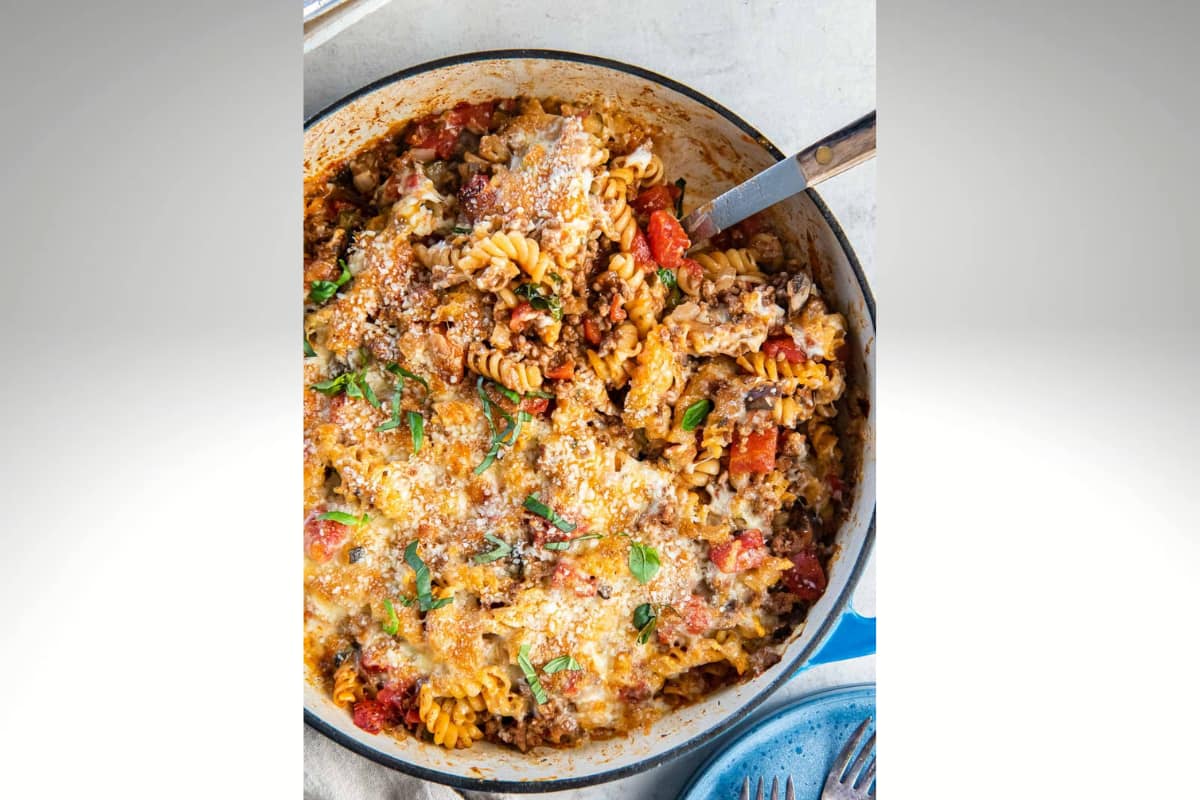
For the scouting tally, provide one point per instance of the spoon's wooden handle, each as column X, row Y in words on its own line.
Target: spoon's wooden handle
column 839, row 151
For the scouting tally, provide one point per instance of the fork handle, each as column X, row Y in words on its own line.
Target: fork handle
column 839, row 151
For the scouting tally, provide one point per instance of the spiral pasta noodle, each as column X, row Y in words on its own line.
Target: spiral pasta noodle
column 515, row 247
column 451, row 721
column 518, row 376
column 625, row 267
column 824, row 443
column 722, row 267
column 643, row 310
column 347, row 688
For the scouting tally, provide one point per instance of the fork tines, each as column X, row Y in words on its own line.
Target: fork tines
column 789, row 792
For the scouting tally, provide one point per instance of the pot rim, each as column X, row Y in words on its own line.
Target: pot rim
column 840, row 604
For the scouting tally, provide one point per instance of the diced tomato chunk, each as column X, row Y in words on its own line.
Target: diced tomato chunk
column 535, row 405
column 694, row 270
column 807, row 578
column 563, row 372
column 476, row 117
column 434, row 135
column 668, row 241
column 370, row 715
column 656, row 198
column 567, row 577
column 744, row 551
column 753, row 452
column 522, row 314
column 591, row 331
column 616, row 309
column 784, row 346
column 323, row 538
column 640, row 248
column 697, row 615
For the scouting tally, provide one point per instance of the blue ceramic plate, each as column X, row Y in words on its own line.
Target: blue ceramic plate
column 801, row 740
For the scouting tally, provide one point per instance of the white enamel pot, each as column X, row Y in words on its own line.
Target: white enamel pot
column 713, row 149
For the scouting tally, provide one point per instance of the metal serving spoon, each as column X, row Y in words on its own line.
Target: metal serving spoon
column 832, row 155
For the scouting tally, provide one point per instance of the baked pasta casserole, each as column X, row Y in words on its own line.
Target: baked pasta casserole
column 563, row 471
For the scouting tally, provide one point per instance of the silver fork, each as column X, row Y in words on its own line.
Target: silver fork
column 855, row 783
column 790, row 791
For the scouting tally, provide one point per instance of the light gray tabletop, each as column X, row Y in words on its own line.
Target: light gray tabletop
column 795, row 70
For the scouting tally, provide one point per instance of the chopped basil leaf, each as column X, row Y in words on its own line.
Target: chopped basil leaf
column 540, row 299
column 354, row 384
column 538, row 393
column 308, row 349
column 460, row 229
column 505, row 438
column 643, row 562
column 396, row 369
column 392, row 626
column 344, row 518
column 513, row 397
column 696, row 413
column 394, row 422
column 559, row 664
column 425, row 599
column 645, row 619
column 320, row 291
column 526, row 666
column 416, row 424
column 368, row 392
column 333, row 385
column 405, row 601
column 502, row 549
column 682, row 184
column 546, row 512
column 554, row 276
column 566, row 543
column 667, row 278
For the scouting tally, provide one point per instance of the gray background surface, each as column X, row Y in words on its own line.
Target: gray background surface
column 795, row 70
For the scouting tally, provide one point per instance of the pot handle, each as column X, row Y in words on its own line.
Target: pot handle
column 851, row 637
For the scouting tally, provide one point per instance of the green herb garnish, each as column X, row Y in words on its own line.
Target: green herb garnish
column 643, row 562
column 559, row 664
column 554, row 276
column 513, row 397
column 503, row 548
column 396, row 369
column 670, row 281
column 682, row 185
column 500, row 438
column 566, row 543
column 392, row 626
column 354, row 384
column 526, row 666
column 416, row 424
column 425, row 599
column 345, row 519
column 696, row 414
column 532, row 503
column 667, row 278
column 460, row 229
column 540, row 299
column 308, row 349
column 645, row 619
column 320, row 291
